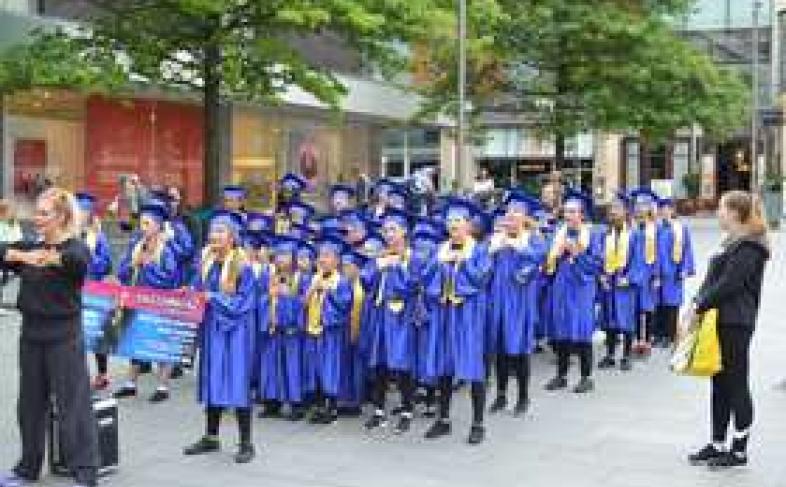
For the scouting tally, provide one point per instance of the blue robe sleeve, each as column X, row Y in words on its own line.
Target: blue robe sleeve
column 476, row 269
column 588, row 263
column 101, row 261
column 162, row 274
column 125, row 271
column 230, row 308
column 531, row 258
column 339, row 303
column 688, row 265
column 183, row 242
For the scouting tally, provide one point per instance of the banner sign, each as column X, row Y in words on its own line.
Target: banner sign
column 145, row 324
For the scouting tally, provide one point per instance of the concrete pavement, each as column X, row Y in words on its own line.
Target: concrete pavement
column 634, row 431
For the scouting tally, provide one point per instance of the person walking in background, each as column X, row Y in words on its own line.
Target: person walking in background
column 51, row 346
column 10, row 232
column 733, row 287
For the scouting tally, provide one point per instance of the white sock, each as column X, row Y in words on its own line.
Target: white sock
column 719, row 445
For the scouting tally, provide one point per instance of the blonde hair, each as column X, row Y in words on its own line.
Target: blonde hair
column 747, row 208
column 64, row 204
column 7, row 210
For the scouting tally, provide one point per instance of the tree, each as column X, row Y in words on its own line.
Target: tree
column 605, row 65
column 223, row 49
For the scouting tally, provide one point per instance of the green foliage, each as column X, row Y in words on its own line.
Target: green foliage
column 691, row 181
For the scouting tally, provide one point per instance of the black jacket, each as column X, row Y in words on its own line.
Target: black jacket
column 50, row 298
column 733, row 282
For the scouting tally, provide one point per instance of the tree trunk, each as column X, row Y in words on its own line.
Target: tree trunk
column 212, row 122
column 559, row 152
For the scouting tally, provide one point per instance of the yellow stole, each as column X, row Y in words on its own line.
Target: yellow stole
column 679, row 236
column 449, row 286
column 617, row 244
column 560, row 239
column 378, row 300
column 317, row 300
column 231, row 267
column 358, row 296
column 650, row 242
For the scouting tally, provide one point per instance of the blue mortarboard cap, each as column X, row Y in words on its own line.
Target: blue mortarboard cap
column 643, row 196
column 156, row 211
column 429, row 237
column 234, row 192
column 284, row 244
column 623, row 198
column 260, row 222
column 665, row 202
column 355, row 258
column 424, row 224
column 521, row 201
column 398, row 196
column 256, row 238
column 86, row 202
column 579, row 198
column 300, row 212
column 330, row 225
column 303, row 232
column 394, row 216
column 384, row 186
column 331, row 243
column 294, row 182
column 231, row 220
column 353, row 219
column 460, row 208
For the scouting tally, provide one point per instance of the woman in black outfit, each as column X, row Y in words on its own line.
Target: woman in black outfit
column 733, row 286
column 51, row 346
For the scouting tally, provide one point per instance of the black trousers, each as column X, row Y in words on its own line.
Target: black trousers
column 612, row 340
column 520, row 366
column 666, row 318
column 566, row 349
column 731, row 394
column 477, row 392
column 56, row 369
column 645, row 326
column 102, row 363
column 406, row 387
column 243, row 415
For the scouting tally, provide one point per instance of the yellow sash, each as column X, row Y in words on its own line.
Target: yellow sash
column 379, row 298
column 560, row 239
column 650, row 242
column 230, row 268
column 616, row 250
column 449, row 295
column 317, row 300
column 679, row 236
column 138, row 250
column 358, row 296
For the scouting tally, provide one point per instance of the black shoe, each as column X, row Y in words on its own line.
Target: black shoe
column 626, row 365
column 404, row 423
column 296, row 414
column 607, row 363
column 704, row 455
column 500, row 403
column 430, row 411
column 556, row 384
column 521, row 408
column 177, row 372
column 350, row 412
column 539, row 349
column 160, row 395
column 245, row 453
column 124, row 392
column 324, row 417
column 439, row 429
column 476, row 434
column 728, row 460
column 376, row 421
column 584, row 386
column 205, row 444
column 269, row 412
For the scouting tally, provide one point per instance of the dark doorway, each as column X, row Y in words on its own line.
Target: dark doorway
column 733, row 166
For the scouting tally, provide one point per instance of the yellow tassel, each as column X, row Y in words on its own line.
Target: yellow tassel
column 358, row 295
column 650, row 241
column 679, row 236
column 616, row 250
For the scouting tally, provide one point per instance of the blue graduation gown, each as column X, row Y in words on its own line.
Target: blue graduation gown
column 157, row 275
column 182, row 243
column 100, row 259
column 513, row 298
column 353, row 376
column 618, row 295
column 424, row 317
column 280, row 344
column 457, row 345
column 227, row 341
column 644, row 274
column 391, row 327
column 323, row 353
column 573, row 293
column 544, row 325
column 673, row 274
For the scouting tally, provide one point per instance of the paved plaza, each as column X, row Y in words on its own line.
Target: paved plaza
column 634, row 431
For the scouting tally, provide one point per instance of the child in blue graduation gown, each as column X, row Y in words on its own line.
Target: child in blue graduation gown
column 227, row 338
column 517, row 253
column 353, row 377
column 280, row 327
column 574, row 262
column 618, row 296
column 182, row 242
column 392, row 287
column 457, row 347
column 328, row 304
column 645, row 277
column 99, row 268
column 675, row 261
column 549, row 220
column 149, row 262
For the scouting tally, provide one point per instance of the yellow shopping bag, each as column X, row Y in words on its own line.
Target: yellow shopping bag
column 699, row 353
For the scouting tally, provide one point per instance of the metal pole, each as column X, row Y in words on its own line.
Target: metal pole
column 755, row 116
column 458, row 167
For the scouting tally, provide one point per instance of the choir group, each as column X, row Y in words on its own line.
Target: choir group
column 313, row 315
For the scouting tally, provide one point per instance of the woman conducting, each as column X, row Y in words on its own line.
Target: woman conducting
column 51, row 348
column 733, row 286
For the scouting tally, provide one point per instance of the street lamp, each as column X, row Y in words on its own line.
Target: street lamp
column 458, row 161
column 757, row 4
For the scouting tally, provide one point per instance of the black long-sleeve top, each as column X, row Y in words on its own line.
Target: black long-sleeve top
column 50, row 297
column 733, row 283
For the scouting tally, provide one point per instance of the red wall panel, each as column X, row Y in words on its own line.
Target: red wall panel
column 158, row 140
